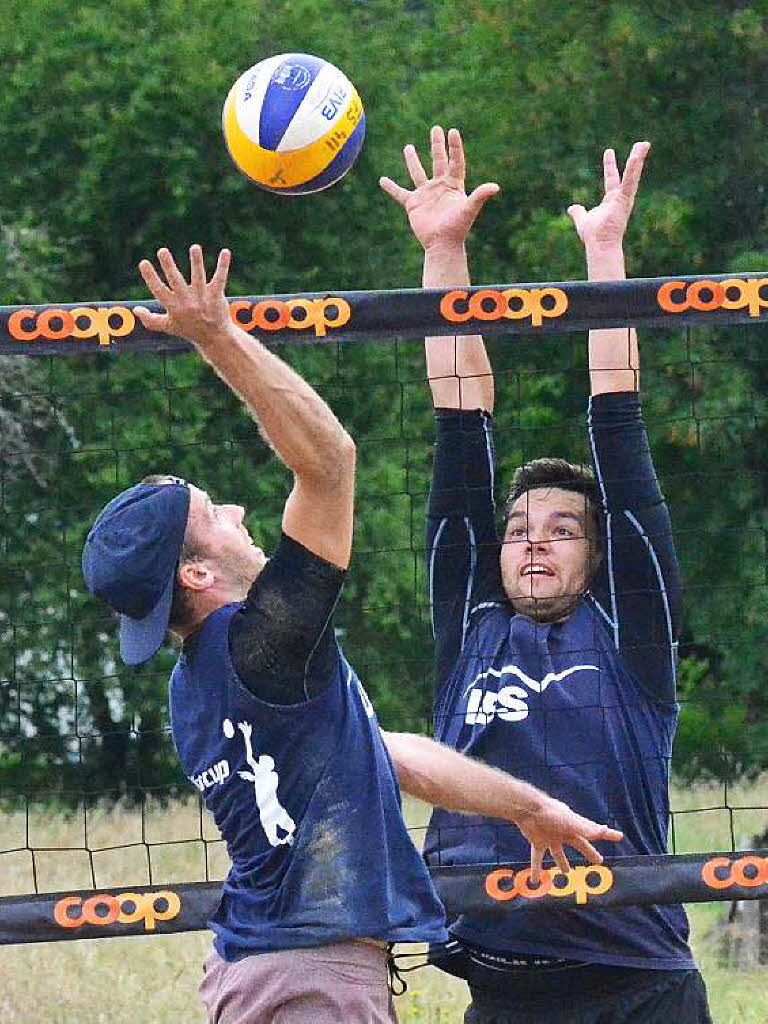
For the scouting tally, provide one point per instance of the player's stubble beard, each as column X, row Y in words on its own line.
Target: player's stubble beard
column 546, row 609
column 240, row 570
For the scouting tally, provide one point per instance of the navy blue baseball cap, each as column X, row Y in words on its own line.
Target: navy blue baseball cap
column 130, row 559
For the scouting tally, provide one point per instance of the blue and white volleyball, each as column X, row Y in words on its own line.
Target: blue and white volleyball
column 293, row 124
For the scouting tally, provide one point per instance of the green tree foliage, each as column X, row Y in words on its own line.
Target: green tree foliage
column 111, row 116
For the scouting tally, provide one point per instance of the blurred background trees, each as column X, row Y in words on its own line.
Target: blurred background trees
column 110, row 118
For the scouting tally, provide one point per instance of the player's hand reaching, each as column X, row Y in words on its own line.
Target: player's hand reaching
column 554, row 825
column 439, row 210
column 604, row 225
column 196, row 310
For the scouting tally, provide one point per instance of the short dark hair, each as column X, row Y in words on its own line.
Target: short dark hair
column 182, row 607
column 542, row 473
column 539, row 474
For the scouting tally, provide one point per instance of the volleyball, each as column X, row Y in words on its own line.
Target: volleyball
column 293, row 124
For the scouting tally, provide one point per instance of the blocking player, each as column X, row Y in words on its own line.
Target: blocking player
column 269, row 719
column 556, row 643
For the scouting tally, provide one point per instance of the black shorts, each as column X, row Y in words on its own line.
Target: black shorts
column 592, row 994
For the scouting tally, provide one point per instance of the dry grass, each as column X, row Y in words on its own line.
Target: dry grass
column 154, row 980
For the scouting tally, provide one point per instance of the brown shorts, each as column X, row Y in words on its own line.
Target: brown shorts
column 341, row 983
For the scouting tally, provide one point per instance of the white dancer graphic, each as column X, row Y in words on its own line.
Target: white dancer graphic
column 265, row 781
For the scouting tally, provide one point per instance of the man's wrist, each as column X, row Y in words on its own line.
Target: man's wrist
column 222, row 337
column 446, row 266
column 529, row 801
column 605, row 261
column 442, row 248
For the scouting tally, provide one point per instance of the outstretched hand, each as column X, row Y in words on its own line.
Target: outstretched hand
column 196, row 310
column 439, row 210
column 554, row 826
column 604, row 225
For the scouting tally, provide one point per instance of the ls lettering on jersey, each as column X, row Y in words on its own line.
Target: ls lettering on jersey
column 509, row 703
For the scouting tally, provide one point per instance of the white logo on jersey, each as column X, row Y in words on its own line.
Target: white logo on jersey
column 265, row 782
column 510, row 702
column 211, row 776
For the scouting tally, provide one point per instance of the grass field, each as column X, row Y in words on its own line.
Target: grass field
column 154, row 980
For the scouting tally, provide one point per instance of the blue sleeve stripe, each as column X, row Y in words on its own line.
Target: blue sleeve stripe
column 485, row 604
column 470, row 579
column 662, row 588
column 489, row 455
column 601, row 610
column 432, row 555
column 611, row 579
column 471, row 549
column 470, row 575
column 608, row 526
column 595, row 461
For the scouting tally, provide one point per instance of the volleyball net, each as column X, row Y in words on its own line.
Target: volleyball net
column 99, row 832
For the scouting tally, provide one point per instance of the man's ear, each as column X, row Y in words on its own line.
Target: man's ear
column 195, row 576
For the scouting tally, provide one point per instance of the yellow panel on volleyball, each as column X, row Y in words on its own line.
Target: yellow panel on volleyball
column 293, row 166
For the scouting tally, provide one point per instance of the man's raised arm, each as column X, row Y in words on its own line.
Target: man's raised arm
column 292, row 417
column 441, row 214
column 614, row 364
column 641, row 583
column 462, row 551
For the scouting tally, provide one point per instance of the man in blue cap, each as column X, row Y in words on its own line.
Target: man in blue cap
column 269, row 720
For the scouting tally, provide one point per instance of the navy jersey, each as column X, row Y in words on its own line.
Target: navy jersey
column 307, row 800
column 584, row 708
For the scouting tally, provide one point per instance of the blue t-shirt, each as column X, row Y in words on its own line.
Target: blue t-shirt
column 307, row 800
column 584, row 709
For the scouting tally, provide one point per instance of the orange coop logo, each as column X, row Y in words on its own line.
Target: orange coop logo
column 298, row 314
column 129, row 907
column 722, row 872
column 580, row 882
column 733, row 293
column 103, row 324
column 511, row 304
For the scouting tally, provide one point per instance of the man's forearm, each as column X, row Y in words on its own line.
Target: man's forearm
column 614, row 364
column 296, row 422
column 458, row 368
column 441, row 776
column 445, row 778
